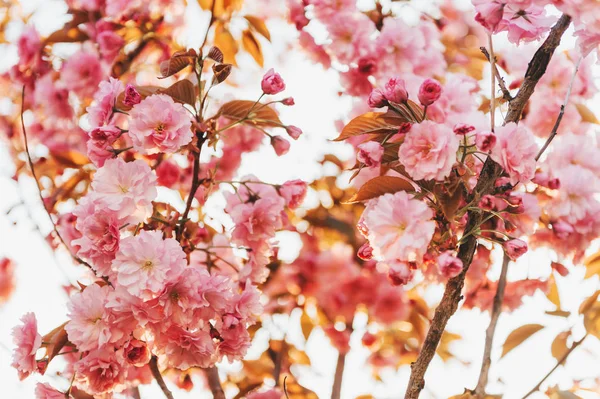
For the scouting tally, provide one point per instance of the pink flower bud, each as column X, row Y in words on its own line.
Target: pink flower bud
column 429, row 92
column 404, row 127
column 461, row 129
column 395, row 91
column 272, row 83
column 400, row 273
column 280, row 145
column 137, row 353
column 485, row 141
column 167, row 173
column 515, row 248
column 489, row 14
column 132, row 97
column 560, row 268
column 544, row 180
column 293, row 131
column 367, row 65
column 288, row 101
column 449, row 265
column 562, row 229
column 110, row 44
column 487, row 202
column 377, row 99
column 368, row 339
column 293, row 192
column 370, row 153
column 365, row 252
column 105, row 134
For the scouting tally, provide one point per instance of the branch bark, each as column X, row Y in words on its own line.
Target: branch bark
column 489, row 334
column 158, row 377
column 214, row 382
column 489, row 173
column 336, row 389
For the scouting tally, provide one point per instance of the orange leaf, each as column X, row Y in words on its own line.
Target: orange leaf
column 226, row 43
column 371, row 122
column 176, row 63
column 252, row 46
column 71, row 158
column 67, row 35
column 259, row 26
column 519, row 335
column 559, row 345
column 182, row 91
column 586, row 114
column 260, row 115
column 379, row 186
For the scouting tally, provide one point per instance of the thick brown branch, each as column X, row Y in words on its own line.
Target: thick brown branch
column 489, row 334
column 336, row 389
column 158, row 377
column 489, row 173
column 214, row 383
column 558, row 363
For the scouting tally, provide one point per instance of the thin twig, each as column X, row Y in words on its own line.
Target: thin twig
column 489, row 334
column 193, row 189
column 505, row 92
column 214, row 382
column 135, row 392
column 493, row 81
column 558, row 363
column 485, row 184
column 279, row 362
column 158, row 377
column 561, row 113
column 336, row 390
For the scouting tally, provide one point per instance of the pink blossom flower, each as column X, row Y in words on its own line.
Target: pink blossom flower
column 90, row 325
column 256, row 222
column 293, row 191
column 515, row 151
column 400, row 227
column 146, row 263
column 82, row 73
column 158, row 124
column 562, row 229
column 515, row 248
column 235, row 342
column 99, row 228
column 46, row 391
column 429, row 92
column 370, row 153
column 99, row 146
column 185, row 349
column 395, row 91
column 132, row 96
column 127, row 188
column 272, row 83
column 449, row 265
column 390, row 304
column 110, row 43
column 168, row 173
column 576, row 194
column 7, row 279
column 365, row 252
column 53, row 98
column 27, row 341
column 350, row 35
column 489, row 13
column 101, row 371
column 280, row 145
column 29, row 45
column 269, row 394
column 377, row 99
column 137, row 353
column 485, row 141
column 105, row 98
column 526, row 25
column 429, row 151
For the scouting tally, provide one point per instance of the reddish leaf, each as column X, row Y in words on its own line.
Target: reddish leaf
column 176, row 63
column 182, row 91
column 410, row 112
column 215, row 54
column 56, row 340
column 221, row 72
column 259, row 25
column 260, row 115
column 371, row 122
column 379, row 186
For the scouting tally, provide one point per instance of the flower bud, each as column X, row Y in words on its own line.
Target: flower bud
column 395, row 91
column 137, row 353
column 461, row 129
column 365, row 252
column 377, row 99
column 562, row 229
column 280, row 145
column 515, row 248
column 449, row 265
column 370, row 153
column 288, row 101
column 429, row 92
column 485, row 141
column 293, row 131
column 132, row 96
column 272, row 83
column 400, row 273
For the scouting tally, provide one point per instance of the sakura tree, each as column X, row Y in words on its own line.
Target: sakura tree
column 474, row 144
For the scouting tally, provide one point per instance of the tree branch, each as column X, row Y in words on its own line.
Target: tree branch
column 193, row 189
column 489, row 173
column 336, row 389
column 561, row 113
column 158, row 377
column 505, row 92
column 558, row 363
column 489, row 334
column 214, row 382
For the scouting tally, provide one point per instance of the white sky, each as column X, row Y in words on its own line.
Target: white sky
column 317, row 106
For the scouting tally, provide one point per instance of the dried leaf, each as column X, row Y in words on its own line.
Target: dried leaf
column 553, row 295
column 371, row 122
column 71, row 158
column 306, row 324
column 589, row 302
column 591, row 319
column 55, row 341
column 519, row 335
column 379, row 186
column 182, row 91
column 586, row 114
column 559, row 345
column 215, row 54
column 221, row 72
column 409, row 111
column 443, row 350
column 259, row 26
column 262, row 115
column 449, row 198
column 592, row 265
column 252, row 46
